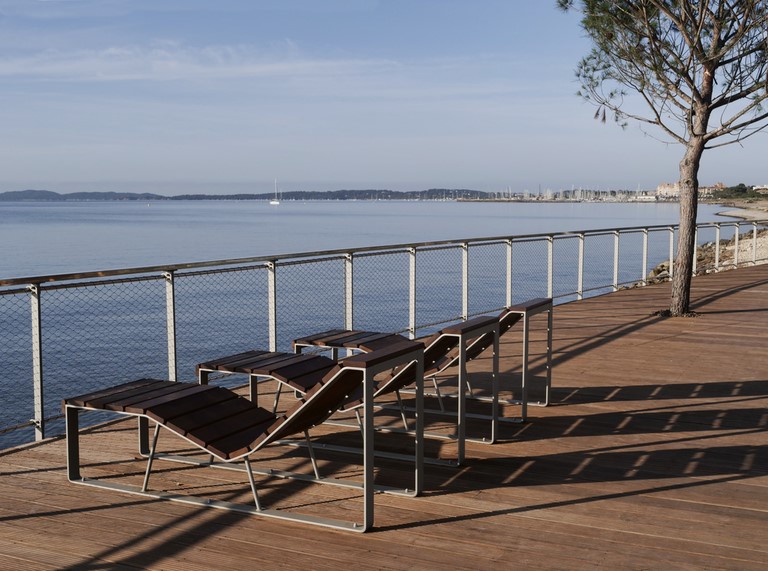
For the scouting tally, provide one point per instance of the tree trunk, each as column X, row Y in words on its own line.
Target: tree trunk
column 686, row 238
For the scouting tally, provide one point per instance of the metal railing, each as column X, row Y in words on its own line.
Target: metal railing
column 62, row 335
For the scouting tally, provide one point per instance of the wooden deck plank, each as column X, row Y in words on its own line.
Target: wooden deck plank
column 652, row 455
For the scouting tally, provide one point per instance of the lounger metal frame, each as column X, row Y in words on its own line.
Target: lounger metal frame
column 369, row 365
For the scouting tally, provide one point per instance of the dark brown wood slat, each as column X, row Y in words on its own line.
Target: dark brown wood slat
column 118, row 402
column 530, row 304
column 208, row 415
column 232, row 439
column 233, row 365
column 80, row 400
column 215, row 363
column 183, row 405
column 312, row 339
column 266, row 366
column 314, row 365
column 141, row 406
column 468, row 326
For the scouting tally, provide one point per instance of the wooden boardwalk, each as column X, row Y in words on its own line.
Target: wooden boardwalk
column 653, row 455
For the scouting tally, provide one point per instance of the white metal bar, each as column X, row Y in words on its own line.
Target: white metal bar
column 37, row 361
column 671, row 251
column 695, row 250
column 465, row 281
column 644, row 273
column 412, row 293
column 550, row 265
column 509, row 273
column 616, row 240
column 736, row 245
column 349, row 292
column 754, row 243
column 272, row 304
column 580, row 278
column 717, row 246
column 170, row 324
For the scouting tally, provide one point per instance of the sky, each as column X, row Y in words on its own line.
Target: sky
column 204, row 96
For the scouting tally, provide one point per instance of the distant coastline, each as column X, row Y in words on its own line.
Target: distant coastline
column 366, row 194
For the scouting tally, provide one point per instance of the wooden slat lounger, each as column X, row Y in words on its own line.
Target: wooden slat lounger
column 297, row 372
column 438, row 350
column 231, row 428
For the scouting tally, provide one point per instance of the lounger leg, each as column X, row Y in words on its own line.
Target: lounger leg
column 73, row 443
column 524, row 381
column 549, row 356
column 277, row 397
column 312, row 454
column 151, row 458
column 437, row 392
column 360, row 422
column 495, row 388
column 402, row 409
column 143, row 435
column 461, row 427
column 252, row 482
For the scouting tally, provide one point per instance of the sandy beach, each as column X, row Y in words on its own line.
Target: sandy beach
column 745, row 210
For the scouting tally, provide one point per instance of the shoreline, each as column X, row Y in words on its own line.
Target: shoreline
column 742, row 210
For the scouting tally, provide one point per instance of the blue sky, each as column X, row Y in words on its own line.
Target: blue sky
column 174, row 96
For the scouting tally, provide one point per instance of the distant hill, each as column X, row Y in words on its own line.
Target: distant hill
column 370, row 194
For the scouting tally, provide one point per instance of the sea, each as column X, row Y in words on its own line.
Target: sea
column 46, row 238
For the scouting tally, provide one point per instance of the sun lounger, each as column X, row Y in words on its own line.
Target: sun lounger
column 231, row 428
column 437, row 352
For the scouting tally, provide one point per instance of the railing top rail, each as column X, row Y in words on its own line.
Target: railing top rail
column 341, row 251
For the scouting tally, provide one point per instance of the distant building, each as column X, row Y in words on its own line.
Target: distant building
column 672, row 190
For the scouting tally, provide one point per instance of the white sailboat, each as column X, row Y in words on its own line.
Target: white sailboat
column 276, row 200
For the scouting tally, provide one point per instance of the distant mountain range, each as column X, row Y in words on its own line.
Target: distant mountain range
column 431, row 194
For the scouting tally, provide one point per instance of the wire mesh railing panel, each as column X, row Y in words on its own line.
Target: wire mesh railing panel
column 565, row 268
column 706, row 254
column 219, row 314
column 658, row 254
column 101, row 335
column 310, row 298
column 529, row 270
column 487, row 277
column 381, row 285
column 16, row 356
column 598, row 264
column 438, row 288
column 631, row 269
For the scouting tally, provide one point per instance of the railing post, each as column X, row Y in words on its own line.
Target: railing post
column 615, row 260
column 465, row 281
column 550, row 265
column 754, row 243
column 671, row 252
column 412, row 293
column 348, row 292
column 509, row 272
column 580, row 277
column 272, row 304
column 736, row 245
column 644, row 274
column 717, row 246
column 695, row 250
column 37, row 361
column 170, row 324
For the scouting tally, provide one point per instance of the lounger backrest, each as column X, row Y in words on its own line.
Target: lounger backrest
column 476, row 346
column 320, row 402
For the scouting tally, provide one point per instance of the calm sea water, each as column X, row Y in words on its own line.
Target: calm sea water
column 40, row 238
